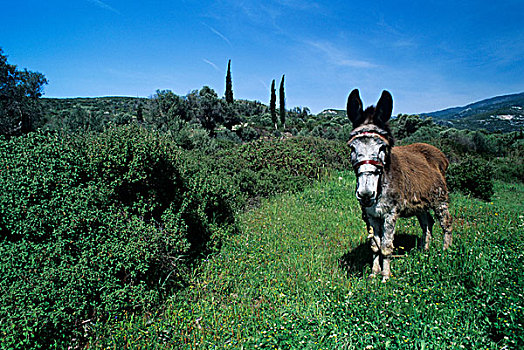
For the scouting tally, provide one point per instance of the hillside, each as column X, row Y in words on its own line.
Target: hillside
column 497, row 114
column 114, row 106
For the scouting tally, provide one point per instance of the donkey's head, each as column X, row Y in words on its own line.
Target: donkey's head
column 370, row 143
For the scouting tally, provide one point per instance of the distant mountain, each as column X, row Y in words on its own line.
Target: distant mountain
column 497, row 114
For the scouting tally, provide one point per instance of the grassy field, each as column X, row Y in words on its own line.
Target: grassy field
column 295, row 279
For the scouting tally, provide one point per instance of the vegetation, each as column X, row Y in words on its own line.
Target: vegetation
column 187, row 221
column 282, row 101
column 20, row 91
column 229, row 84
column 71, row 211
column 294, row 280
column 273, row 104
column 99, row 224
column 471, row 176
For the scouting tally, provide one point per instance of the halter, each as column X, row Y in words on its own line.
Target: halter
column 369, row 133
column 374, row 162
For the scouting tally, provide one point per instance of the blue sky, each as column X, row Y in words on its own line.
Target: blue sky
column 429, row 54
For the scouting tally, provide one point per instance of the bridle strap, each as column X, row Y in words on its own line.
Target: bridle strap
column 370, row 133
column 369, row 161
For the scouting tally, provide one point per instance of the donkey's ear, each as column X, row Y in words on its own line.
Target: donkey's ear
column 383, row 109
column 354, row 108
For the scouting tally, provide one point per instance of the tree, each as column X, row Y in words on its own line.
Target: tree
column 282, row 99
column 229, row 84
column 210, row 111
column 168, row 109
column 139, row 113
column 272, row 104
column 406, row 125
column 20, row 90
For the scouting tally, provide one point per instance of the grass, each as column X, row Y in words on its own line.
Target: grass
column 294, row 280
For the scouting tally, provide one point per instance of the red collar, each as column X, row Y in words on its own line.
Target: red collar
column 369, row 161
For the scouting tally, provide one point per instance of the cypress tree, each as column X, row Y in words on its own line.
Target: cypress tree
column 229, row 84
column 139, row 113
column 273, row 104
column 282, row 98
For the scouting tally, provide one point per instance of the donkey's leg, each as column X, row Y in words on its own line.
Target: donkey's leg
column 444, row 217
column 374, row 237
column 426, row 223
column 386, row 245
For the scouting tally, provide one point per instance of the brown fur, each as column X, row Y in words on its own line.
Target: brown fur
column 418, row 171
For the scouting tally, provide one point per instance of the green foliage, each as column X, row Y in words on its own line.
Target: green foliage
column 167, row 108
column 273, row 104
column 229, row 84
column 471, row 176
column 510, row 168
column 20, row 91
column 96, row 225
column 265, row 167
column 282, row 104
column 405, row 125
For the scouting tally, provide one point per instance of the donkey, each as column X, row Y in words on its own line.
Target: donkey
column 393, row 182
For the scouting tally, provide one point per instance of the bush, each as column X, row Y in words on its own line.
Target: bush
column 96, row 225
column 471, row 176
column 509, row 169
column 268, row 166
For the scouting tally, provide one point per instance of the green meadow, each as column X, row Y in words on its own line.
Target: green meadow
column 295, row 277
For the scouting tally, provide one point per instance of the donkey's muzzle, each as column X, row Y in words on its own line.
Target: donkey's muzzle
column 366, row 199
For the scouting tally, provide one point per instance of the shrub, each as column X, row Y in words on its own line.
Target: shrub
column 509, row 169
column 471, row 176
column 268, row 166
column 95, row 225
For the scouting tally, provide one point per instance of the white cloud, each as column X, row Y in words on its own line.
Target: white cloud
column 104, row 6
column 222, row 36
column 212, row 64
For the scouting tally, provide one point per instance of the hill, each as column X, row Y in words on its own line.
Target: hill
column 113, row 105
column 497, row 114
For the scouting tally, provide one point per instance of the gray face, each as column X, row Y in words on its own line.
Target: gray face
column 368, row 175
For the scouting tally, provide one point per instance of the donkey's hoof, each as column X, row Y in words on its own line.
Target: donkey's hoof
column 385, row 279
column 447, row 243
